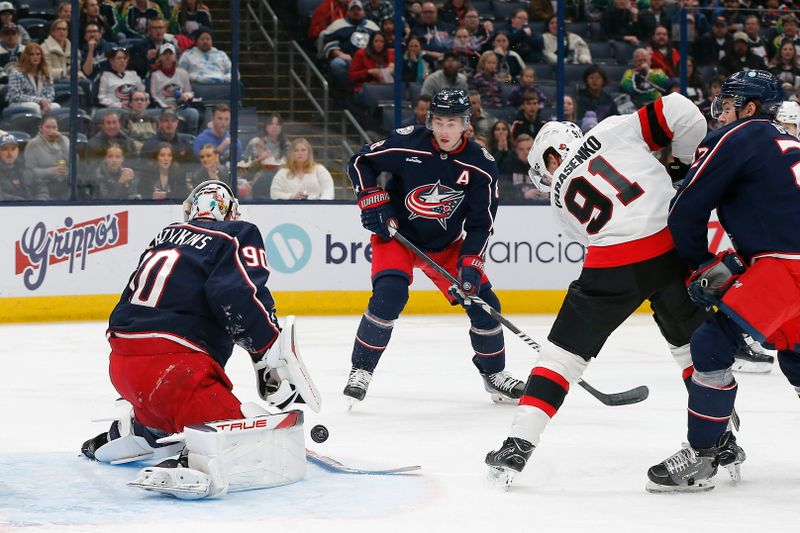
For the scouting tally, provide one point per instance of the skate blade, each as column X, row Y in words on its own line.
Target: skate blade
column 735, row 471
column 748, row 367
column 700, row 486
column 504, row 400
column 500, row 477
column 350, row 403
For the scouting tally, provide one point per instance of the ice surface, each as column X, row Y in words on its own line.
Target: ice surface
column 426, row 405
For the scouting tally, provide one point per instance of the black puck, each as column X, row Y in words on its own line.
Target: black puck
column 319, row 433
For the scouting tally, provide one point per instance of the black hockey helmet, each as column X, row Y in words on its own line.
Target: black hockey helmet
column 451, row 103
column 758, row 85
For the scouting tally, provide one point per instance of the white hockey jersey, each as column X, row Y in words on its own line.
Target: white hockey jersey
column 612, row 194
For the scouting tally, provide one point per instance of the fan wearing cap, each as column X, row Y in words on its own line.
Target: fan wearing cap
column 16, row 183
column 203, row 62
column 339, row 42
column 711, row 47
column 740, row 57
column 10, row 46
column 145, row 52
column 790, row 29
column 171, row 88
column 8, row 15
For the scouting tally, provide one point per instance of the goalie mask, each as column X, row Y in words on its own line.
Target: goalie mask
column 553, row 139
column 211, row 199
column 789, row 117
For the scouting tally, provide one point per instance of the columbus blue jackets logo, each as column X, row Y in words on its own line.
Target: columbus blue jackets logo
column 436, row 202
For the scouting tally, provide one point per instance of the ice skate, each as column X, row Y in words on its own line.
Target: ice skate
column 508, row 461
column 175, row 478
column 731, row 456
column 91, row 445
column 752, row 358
column 503, row 387
column 357, row 384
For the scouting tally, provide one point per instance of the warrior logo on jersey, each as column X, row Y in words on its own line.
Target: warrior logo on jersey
column 436, row 202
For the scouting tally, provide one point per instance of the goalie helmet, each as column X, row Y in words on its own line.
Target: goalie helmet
column 212, row 199
column 554, row 138
column 789, row 113
column 747, row 85
column 450, row 103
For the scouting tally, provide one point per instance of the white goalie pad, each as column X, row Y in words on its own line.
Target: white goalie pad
column 283, row 358
column 132, row 444
column 233, row 455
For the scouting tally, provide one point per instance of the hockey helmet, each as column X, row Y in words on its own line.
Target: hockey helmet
column 747, row 85
column 789, row 113
column 212, row 199
column 554, row 138
column 450, row 103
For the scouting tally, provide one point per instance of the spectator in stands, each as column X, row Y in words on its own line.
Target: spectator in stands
column 481, row 121
column 10, row 47
column 656, row 15
column 730, row 10
column 664, row 55
column 417, row 63
column 759, row 44
column 46, row 157
column 326, row 13
column 204, row 63
column 575, row 48
column 467, row 52
column 210, row 167
column 188, row 17
column 421, row 108
column 447, row 76
column 790, row 30
column 387, row 29
column 740, row 57
column 373, row 64
column 105, row 16
column 95, row 51
column 714, row 90
column 570, row 109
column 481, row 32
column 218, row 135
column 266, row 153
column 710, row 49
column 302, row 178
column 527, row 120
column 696, row 90
column 64, row 11
column 110, row 133
column 145, row 53
column 110, row 180
column 340, row 41
column 621, row 22
column 378, row 10
column 57, row 50
column 168, row 133
column 161, row 177
column 500, row 144
column 453, row 12
column 135, row 16
column 527, row 83
column 515, row 182
column 170, row 87
column 437, row 36
column 487, row 82
column 541, row 10
column 771, row 13
column 16, row 182
column 594, row 97
column 643, row 83
column 510, row 63
column 524, row 39
column 8, row 15
column 30, row 88
column 116, row 84
column 784, row 66
column 137, row 124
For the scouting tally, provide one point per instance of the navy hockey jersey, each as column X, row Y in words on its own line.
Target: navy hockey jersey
column 436, row 195
column 202, row 284
column 749, row 171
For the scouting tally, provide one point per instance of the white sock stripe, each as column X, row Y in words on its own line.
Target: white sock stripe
column 709, row 417
column 386, row 324
column 371, row 347
column 486, row 332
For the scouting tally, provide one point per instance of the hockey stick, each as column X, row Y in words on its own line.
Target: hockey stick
column 628, row 397
column 332, row 465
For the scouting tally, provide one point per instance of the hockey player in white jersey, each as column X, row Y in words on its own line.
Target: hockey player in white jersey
column 609, row 192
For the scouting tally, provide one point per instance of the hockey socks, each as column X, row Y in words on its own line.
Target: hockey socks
column 489, row 346
column 544, row 393
column 372, row 338
column 711, row 399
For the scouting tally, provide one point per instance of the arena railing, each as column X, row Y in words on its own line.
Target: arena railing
column 304, row 84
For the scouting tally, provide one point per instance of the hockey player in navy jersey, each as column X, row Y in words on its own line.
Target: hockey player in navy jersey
column 200, row 287
column 443, row 197
column 748, row 171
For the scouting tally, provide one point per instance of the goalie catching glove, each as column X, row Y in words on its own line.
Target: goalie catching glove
column 376, row 211
column 713, row 278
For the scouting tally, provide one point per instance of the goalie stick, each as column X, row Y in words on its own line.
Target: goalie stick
column 332, row 465
column 627, row 397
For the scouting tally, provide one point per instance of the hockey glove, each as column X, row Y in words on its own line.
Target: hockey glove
column 470, row 273
column 677, row 172
column 713, row 278
column 376, row 211
column 271, row 388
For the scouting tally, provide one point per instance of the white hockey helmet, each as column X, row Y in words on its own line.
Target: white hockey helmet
column 789, row 113
column 211, row 199
column 554, row 137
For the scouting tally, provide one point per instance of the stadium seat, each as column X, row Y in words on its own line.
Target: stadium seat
column 504, row 10
column 212, row 93
column 623, row 51
column 596, row 32
column 306, row 7
column 574, row 73
column 602, row 52
column 22, row 138
column 38, row 28
column 544, row 71
column 484, row 8
column 25, row 122
column 375, row 94
column 83, row 124
column 578, row 28
column 506, row 113
column 45, row 9
column 615, row 72
column 414, row 90
column 388, row 117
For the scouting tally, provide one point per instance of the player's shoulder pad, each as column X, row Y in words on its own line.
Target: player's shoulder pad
column 486, row 154
column 234, row 228
column 401, row 137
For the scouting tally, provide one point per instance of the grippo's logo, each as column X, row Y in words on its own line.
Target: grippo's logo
column 436, row 202
column 39, row 247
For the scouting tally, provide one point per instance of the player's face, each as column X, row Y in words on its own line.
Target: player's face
column 551, row 162
column 728, row 113
column 447, row 131
column 791, row 129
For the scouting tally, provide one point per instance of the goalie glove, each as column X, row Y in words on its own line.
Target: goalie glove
column 270, row 386
column 713, row 278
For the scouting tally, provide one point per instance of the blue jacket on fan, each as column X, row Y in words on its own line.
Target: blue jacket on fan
column 744, row 170
column 202, row 284
column 435, row 194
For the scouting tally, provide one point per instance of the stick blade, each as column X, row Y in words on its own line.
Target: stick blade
column 628, row 397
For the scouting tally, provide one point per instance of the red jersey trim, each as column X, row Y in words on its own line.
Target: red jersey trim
column 626, row 253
